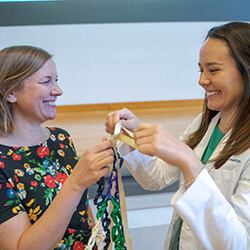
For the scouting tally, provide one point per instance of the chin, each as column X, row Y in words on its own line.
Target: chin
column 213, row 107
column 51, row 117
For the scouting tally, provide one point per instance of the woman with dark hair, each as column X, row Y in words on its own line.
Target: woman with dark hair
column 43, row 185
column 211, row 159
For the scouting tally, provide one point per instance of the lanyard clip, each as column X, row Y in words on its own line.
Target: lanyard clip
column 119, row 136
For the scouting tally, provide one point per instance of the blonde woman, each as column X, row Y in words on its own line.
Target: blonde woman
column 43, row 186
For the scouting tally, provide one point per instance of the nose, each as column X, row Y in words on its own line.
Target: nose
column 56, row 90
column 204, row 79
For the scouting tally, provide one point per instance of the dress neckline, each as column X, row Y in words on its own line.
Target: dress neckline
column 31, row 146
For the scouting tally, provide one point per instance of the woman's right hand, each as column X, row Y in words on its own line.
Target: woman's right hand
column 92, row 165
column 126, row 118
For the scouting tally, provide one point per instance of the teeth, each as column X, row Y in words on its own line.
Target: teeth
column 212, row 93
column 50, row 103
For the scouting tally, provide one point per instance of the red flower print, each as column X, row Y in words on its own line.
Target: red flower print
column 8, row 185
column 0, row 186
column 42, row 151
column 50, row 182
column 16, row 179
column 33, row 183
column 62, row 145
column 52, row 128
column 71, row 231
column 78, row 245
column 16, row 157
column 15, row 147
column 61, row 177
column 2, row 164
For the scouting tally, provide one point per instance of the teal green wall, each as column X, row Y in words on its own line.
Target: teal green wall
column 115, row 11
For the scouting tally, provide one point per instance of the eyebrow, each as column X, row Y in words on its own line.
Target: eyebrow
column 211, row 63
column 47, row 76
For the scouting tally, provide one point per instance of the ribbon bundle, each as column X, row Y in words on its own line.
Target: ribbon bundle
column 115, row 199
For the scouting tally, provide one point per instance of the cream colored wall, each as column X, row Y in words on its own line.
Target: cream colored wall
column 121, row 62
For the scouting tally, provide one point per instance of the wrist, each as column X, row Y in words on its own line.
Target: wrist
column 71, row 185
column 191, row 169
column 188, row 184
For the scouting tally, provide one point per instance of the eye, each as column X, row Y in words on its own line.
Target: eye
column 200, row 70
column 213, row 70
column 46, row 81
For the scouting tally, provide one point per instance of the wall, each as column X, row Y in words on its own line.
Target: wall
column 108, row 52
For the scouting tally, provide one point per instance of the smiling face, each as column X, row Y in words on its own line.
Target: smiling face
column 220, row 77
column 35, row 101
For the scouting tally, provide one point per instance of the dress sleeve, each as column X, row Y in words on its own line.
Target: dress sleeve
column 10, row 204
column 60, row 131
column 217, row 223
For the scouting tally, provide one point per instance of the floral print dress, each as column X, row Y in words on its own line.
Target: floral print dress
column 30, row 178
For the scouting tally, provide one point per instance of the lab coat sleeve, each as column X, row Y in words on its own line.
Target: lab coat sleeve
column 150, row 172
column 216, row 223
column 153, row 173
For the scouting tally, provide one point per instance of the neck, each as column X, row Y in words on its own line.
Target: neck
column 26, row 136
column 226, row 123
column 223, row 129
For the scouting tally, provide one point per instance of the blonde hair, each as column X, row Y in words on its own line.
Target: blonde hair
column 16, row 64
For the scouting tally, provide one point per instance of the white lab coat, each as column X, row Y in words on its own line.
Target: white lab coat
column 216, row 207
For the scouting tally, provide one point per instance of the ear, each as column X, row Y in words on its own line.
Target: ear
column 11, row 98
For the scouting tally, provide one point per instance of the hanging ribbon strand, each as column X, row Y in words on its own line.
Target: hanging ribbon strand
column 104, row 218
column 115, row 199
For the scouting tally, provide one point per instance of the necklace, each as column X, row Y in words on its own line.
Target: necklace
column 223, row 129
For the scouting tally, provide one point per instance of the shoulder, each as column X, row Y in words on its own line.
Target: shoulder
column 193, row 126
column 196, row 123
column 59, row 135
column 57, row 131
column 244, row 158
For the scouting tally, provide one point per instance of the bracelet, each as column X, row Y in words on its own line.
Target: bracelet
column 191, row 182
